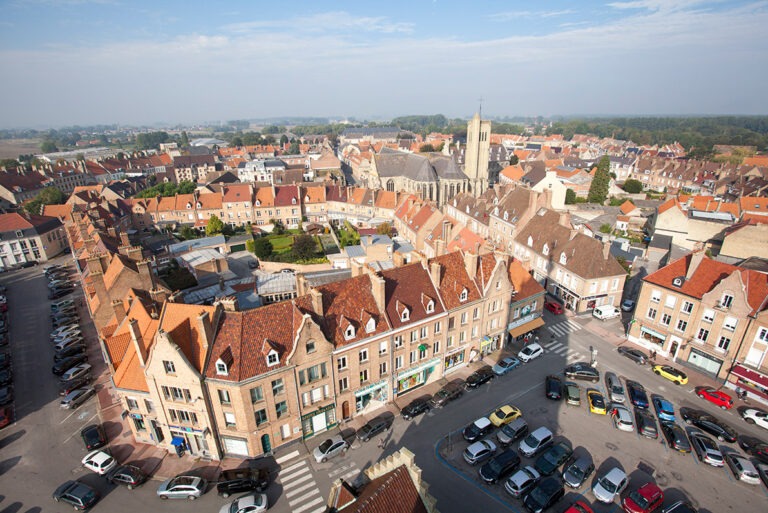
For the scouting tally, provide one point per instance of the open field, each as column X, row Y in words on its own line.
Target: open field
column 12, row 148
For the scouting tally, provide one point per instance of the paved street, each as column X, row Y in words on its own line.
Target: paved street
column 43, row 448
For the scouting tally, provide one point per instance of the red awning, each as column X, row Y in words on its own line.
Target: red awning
column 755, row 377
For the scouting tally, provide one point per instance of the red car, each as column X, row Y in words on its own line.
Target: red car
column 716, row 397
column 554, row 307
column 645, row 499
column 579, row 507
column 6, row 416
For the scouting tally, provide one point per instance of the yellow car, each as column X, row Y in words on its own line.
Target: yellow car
column 676, row 376
column 596, row 402
column 504, row 415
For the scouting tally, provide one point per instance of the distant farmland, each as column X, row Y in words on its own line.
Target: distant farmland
column 12, row 148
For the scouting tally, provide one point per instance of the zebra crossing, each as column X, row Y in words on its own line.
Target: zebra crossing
column 564, row 328
column 561, row 349
column 347, row 472
column 300, row 488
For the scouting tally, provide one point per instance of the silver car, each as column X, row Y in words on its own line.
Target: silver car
column 77, row 397
column 706, row 449
column 614, row 388
column 182, row 487
column 522, row 481
column 610, row 485
column 330, row 448
column 743, row 469
column 479, row 451
column 622, row 419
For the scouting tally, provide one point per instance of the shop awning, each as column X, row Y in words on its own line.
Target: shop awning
column 177, row 441
column 538, row 322
column 653, row 333
column 750, row 375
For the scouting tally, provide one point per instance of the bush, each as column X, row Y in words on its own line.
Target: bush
column 262, row 248
column 570, row 196
column 250, row 246
column 633, row 186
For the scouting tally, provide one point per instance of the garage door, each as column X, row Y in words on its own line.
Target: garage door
column 237, row 247
column 235, row 446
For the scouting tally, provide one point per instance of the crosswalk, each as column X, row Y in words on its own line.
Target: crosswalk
column 563, row 350
column 300, row 488
column 564, row 328
column 347, row 472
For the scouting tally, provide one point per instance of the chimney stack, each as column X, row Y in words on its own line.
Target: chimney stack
column 435, row 272
column 119, row 308
column 317, row 301
column 206, row 329
column 470, row 263
column 138, row 341
column 229, row 304
column 606, row 249
column 378, row 288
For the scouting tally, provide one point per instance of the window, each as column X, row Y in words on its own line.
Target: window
column 256, row 395
column 414, row 336
column 176, row 394
column 261, row 417
column 430, row 306
column 730, row 323
column 139, row 423
column 708, row 316
column 169, row 367
column 681, row 325
column 132, row 403
column 224, row 397
column 383, row 369
column 474, row 331
column 451, row 323
column 670, row 301
column 422, row 353
column 278, row 387
column 311, row 346
column 405, row 315
column 687, row 307
column 762, row 335
column 462, row 337
column 398, row 362
column 312, row 374
column 464, row 295
column 666, row 319
column 651, row 313
column 703, row 335
column 436, row 347
column 398, row 341
column 183, row 416
column 272, row 358
column 726, row 301
column 382, row 347
column 349, row 333
column 341, row 363
column 363, row 376
column 413, row 356
column 655, row 296
column 449, row 341
column 343, row 384
column 281, row 409
column 476, row 313
column 363, row 355
column 463, row 318
column 229, row 419
column 424, row 332
column 723, row 343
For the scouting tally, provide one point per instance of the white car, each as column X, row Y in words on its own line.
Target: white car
column 610, row 485
column 622, row 418
column 253, row 503
column 756, row 416
column 99, row 462
column 530, row 352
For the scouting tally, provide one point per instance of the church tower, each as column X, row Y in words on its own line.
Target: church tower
column 477, row 154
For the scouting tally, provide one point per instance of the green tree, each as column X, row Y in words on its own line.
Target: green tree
column 214, row 226
column 633, row 186
column 605, row 228
column 237, row 141
column 250, row 246
column 48, row 146
column 426, row 148
column 151, row 140
column 271, row 129
column 262, row 248
column 304, row 247
column 186, row 187
column 598, row 190
column 513, row 160
column 184, row 139
column 384, row 229
column 278, row 229
column 294, row 148
column 283, row 140
column 570, row 196
column 48, row 196
column 188, row 233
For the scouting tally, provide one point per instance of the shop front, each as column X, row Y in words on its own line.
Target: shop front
column 417, row 376
column 524, row 325
column 570, row 299
column 489, row 344
column 705, row 362
column 652, row 339
column 375, row 393
column 454, row 359
column 190, row 440
column 753, row 382
column 319, row 420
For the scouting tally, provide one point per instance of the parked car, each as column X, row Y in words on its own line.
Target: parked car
column 676, row 437
column 664, row 409
column 372, row 428
column 515, row 430
column 479, row 377
column 553, row 387
column 706, row 449
column 504, row 415
column 415, row 408
column 74, row 340
column 6, row 416
column 500, row 466
column 577, row 470
column 65, row 321
column 6, row 395
column 522, row 481
column 77, row 371
column 628, row 305
column 239, row 480
column 676, row 376
column 446, row 394
column 5, row 360
column 329, row 448
column 583, row 371
column 549, row 461
column 74, row 349
column 754, row 447
column 708, row 423
column 622, row 419
column 58, row 332
column 530, row 352
column 755, row 416
column 61, row 304
column 645, row 499
column 742, row 468
column 762, row 471
column 129, row 476
column 535, row 442
column 610, row 485
column 78, row 495
column 252, row 503
column 59, row 293
column 637, row 395
column 716, row 397
column 182, row 487
column 596, row 402
column 477, row 430
column 606, row 312
column 65, row 364
column 579, row 507
column 544, row 495
column 505, row 365
column 572, row 393
column 6, row 377
column 479, row 451
column 554, row 307
column 66, row 387
column 77, row 397
column 93, row 436
column 99, row 462
column 633, row 354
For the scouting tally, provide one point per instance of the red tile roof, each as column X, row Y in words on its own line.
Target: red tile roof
column 454, row 279
column 404, row 285
column 393, row 492
column 180, row 322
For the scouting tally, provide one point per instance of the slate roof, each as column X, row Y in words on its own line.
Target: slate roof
column 390, row 163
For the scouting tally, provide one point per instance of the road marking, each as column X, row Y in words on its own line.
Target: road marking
column 349, row 474
column 294, row 474
column 300, row 489
column 306, row 496
column 296, row 465
column 286, row 457
column 341, row 469
column 307, row 505
column 295, row 482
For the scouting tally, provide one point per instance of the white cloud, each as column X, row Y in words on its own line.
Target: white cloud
column 514, row 15
column 335, row 21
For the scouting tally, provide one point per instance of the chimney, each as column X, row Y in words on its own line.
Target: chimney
column 97, row 263
column 470, row 263
column 147, row 276
column 548, row 193
column 159, row 295
column 111, row 231
column 532, row 201
column 606, row 249
column 229, row 304
column 696, row 258
column 138, row 341
column 572, row 233
column 119, row 307
column 317, row 301
column 435, row 272
column 440, row 247
column 378, row 288
column 206, row 329
column 565, row 219
column 301, row 285
column 446, row 234
column 357, row 267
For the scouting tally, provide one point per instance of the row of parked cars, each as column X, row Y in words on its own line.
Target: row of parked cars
column 6, row 372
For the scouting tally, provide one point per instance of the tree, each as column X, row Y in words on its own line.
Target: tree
column 633, row 186
column 184, row 139
column 250, row 246
column 605, row 228
column 186, row 187
column 214, row 226
column 513, row 160
column 384, row 229
column 151, row 140
column 188, row 233
column 426, row 148
column 294, row 148
column 48, row 146
column 262, row 248
column 304, row 247
column 271, row 129
column 598, row 190
column 570, row 196
column 237, row 141
column 278, row 229
column 283, row 140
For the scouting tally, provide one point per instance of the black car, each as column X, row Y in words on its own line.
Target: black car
column 6, row 395
column 59, row 293
column 477, row 430
column 583, row 371
column 65, row 321
column 545, row 495
column 479, row 377
column 633, row 354
column 708, row 423
column 676, row 437
column 76, row 494
column 29, row 263
column 415, row 408
column 93, row 436
column 553, row 387
column 74, row 350
column 65, row 364
column 500, row 466
column 754, row 447
column 73, row 384
column 129, row 476
column 552, row 458
column 371, row 429
column 578, row 470
column 446, row 394
column 646, row 424
column 240, row 480
column 5, row 360
column 6, row 376
column 637, row 395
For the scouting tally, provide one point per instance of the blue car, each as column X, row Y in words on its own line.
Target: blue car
column 664, row 409
column 637, row 395
column 505, row 365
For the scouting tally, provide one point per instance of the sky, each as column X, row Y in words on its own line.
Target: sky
column 135, row 62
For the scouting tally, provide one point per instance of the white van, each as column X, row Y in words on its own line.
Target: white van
column 606, row 312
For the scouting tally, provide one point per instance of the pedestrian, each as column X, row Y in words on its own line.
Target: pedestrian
column 653, row 356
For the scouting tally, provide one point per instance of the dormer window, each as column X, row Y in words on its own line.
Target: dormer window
column 530, row 241
column 189, row 205
column 464, row 295
column 349, row 333
column 293, row 201
column 545, row 249
column 272, row 358
column 430, row 306
column 405, row 315
column 370, row 326
column 221, row 368
column 563, row 259
column 199, row 205
column 258, row 203
column 506, row 216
